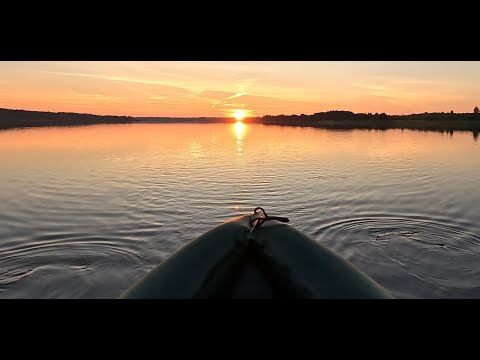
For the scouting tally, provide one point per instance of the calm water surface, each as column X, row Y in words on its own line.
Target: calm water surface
column 87, row 211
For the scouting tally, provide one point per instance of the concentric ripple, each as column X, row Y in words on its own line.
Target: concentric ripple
column 64, row 264
column 409, row 256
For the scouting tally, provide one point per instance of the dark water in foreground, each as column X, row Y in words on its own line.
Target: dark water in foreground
column 87, row 211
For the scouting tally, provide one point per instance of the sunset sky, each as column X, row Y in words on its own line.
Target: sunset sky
column 197, row 88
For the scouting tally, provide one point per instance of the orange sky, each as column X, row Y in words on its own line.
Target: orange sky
column 219, row 88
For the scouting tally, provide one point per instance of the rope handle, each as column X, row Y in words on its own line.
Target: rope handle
column 259, row 216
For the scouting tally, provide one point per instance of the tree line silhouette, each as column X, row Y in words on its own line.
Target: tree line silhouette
column 22, row 118
column 443, row 121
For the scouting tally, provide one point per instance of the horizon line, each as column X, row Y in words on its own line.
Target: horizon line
column 226, row 117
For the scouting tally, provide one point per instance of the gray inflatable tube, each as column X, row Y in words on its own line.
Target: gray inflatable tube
column 278, row 262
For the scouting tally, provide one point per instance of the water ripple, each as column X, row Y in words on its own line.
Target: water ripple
column 416, row 253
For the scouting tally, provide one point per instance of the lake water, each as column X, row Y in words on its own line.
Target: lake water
column 87, row 211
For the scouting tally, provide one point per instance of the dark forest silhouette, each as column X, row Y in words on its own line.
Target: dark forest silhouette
column 23, row 118
column 347, row 120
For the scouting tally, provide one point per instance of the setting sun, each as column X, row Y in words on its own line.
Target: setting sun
column 239, row 115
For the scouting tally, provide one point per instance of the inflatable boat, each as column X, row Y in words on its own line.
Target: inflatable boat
column 255, row 257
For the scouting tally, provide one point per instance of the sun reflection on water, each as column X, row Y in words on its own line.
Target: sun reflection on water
column 240, row 131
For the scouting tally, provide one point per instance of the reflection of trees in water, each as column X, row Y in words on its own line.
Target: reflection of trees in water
column 450, row 132
column 474, row 132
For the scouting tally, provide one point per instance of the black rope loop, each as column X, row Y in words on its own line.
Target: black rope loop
column 261, row 220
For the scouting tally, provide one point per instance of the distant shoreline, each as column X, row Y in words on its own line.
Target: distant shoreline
column 11, row 119
column 15, row 119
column 340, row 120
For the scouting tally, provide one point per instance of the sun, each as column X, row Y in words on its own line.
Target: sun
column 239, row 115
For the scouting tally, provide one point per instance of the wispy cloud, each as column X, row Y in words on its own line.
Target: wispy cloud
column 236, row 95
column 92, row 97
column 215, row 95
column 264, row 104
column 121, row 79
column 242, row 85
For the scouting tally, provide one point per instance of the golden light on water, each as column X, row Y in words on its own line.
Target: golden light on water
column 239, row 114
column 240, row 130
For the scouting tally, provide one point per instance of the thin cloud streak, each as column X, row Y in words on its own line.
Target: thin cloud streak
column 122, row 79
